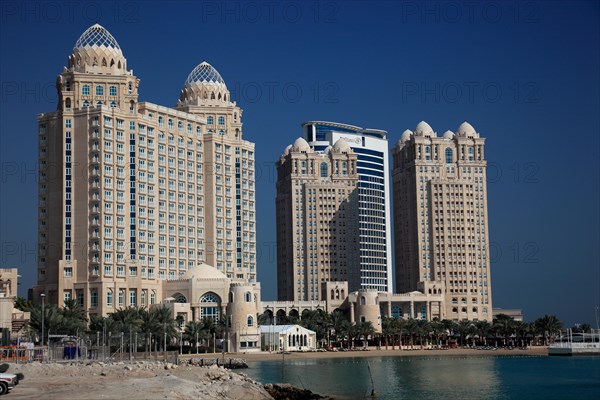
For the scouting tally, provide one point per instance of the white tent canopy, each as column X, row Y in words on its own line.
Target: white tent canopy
column 287, row 338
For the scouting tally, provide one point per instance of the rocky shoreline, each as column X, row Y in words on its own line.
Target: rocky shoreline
column 145, row 380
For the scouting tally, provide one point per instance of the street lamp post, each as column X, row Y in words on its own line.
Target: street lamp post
column 43, row 296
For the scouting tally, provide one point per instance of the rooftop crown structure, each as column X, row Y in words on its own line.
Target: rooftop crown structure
column 144, row 192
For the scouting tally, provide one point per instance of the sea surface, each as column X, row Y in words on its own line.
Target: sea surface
column 446, row 377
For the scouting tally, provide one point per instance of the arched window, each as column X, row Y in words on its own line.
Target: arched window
column 99, row 90
column 161, row 122
column 189, row 129
column 130, row 87
column 212, row 96
column 210, row 307
column 221, row 120
column 86, row 104
column 250, row 320
column 170, row 123
column 210, row 120
column 323, row 170
column 449, row 156
column 337, row 294
column 68, row 104
column 231, row 297
column 363, row 300
column 112, row 90
column 248, row 297
column 85, row 90
column 180, row 126
column 209, row 298
column 104, row 62
column 179, row 298
column 332, row 297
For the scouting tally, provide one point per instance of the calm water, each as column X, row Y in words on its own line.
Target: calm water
column 440, row 377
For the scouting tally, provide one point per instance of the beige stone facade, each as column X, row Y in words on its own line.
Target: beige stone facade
column 11, row 319
column 440, row 218
column 131, row 193
column 317, row 220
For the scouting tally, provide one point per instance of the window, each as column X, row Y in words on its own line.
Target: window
column 363, row 300
column 250, row 320
column 109, row 298
column 396, row 311
column 94, row 298
column 85, row 90
column 248, row 297
column 132, row 297
column 210, row 120
column 323, row 170
column 112, row 90
column 221, row 120
column 121, row 297
column 449, row 155
column 99, row 90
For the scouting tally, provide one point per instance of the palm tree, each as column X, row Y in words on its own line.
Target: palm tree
column 504, row 326
column 364, row 329
column 483, row 329
column 74, row 317
column 148, row 327
column 167, row 327
column 387, row 328
column 193, row 332
column 437, row 328
column 339, row 324
column 54, row 321
column 549, row 326
column 411, row 328
column 422, row 330
column 450, row 327
column 399, row 328
column 464, row 328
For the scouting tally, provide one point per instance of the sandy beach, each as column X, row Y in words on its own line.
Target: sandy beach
column 264, row 356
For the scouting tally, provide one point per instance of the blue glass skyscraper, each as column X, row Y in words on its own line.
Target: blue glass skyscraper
column 374, row 196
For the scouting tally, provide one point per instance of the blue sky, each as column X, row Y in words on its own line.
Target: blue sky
column 526, row 75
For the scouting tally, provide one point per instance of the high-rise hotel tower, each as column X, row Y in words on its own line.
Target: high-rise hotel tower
column 440, row 218
column 372, row 167
column 317, row 219
column 132, row 193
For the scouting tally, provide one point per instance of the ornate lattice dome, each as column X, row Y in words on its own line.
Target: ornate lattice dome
column 97, row 51
column 204, row 73
column 97, row 35
column 204, row 85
